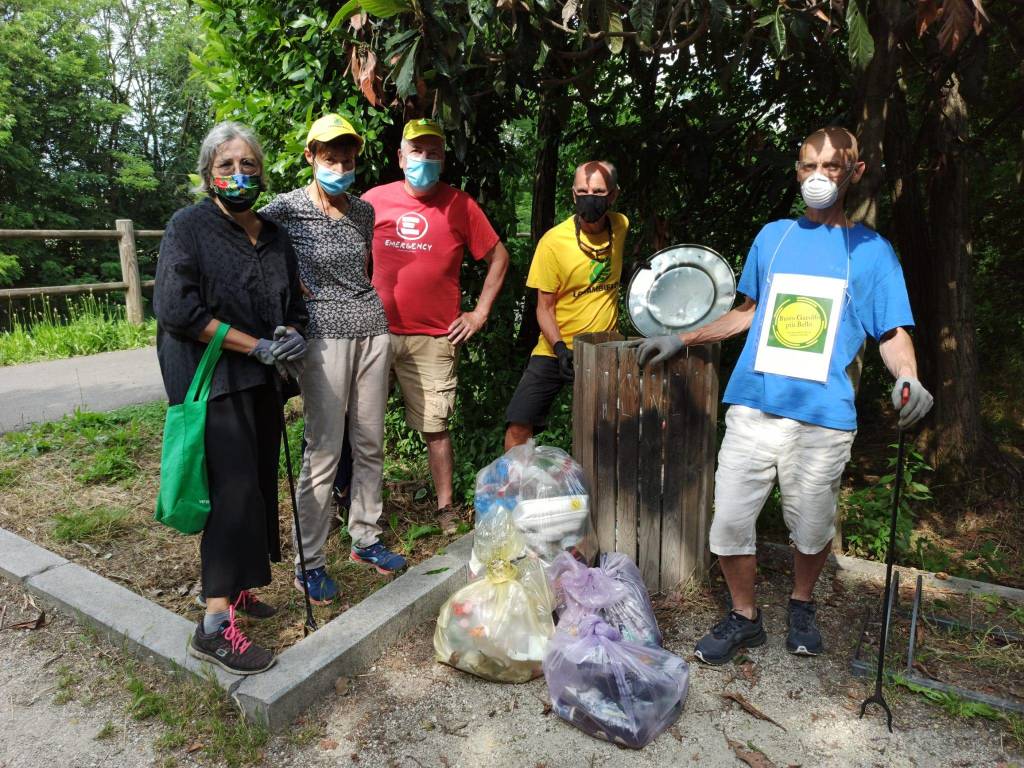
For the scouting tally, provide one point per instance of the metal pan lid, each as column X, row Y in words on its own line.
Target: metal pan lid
column 683, row 287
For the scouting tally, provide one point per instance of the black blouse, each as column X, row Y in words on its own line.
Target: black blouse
column 208, row 269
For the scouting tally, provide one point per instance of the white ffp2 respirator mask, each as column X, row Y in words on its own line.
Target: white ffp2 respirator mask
column 819, row 191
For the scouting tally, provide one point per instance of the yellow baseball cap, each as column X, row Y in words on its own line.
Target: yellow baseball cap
column 422, row 127
column 331, row 127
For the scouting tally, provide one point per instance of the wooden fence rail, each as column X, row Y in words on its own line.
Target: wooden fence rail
column 124, row 232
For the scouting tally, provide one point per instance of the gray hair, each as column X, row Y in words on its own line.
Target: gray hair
column 220, row 133
column 406, row 145
column 613, row 174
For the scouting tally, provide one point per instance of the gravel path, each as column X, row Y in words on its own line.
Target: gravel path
column 410, row 711
column 46, row 391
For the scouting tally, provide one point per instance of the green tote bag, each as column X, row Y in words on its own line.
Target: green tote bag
column 183, row 502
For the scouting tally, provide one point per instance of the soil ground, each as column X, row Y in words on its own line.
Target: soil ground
column 85, row 488
column 64, row 702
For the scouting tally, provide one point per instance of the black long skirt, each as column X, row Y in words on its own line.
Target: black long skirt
column 243, row 437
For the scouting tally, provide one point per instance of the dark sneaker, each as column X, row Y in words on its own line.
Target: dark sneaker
column 322, row 588
column 341, row 496
column 230, row 649
column 728, row 636
column 248, row 604
column 380, row 557
column 448, row 519
column 804, row 638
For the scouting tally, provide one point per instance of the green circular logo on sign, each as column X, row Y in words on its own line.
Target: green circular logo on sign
column 799, row 322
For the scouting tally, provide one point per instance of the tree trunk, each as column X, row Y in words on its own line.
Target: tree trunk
column 936, row 249
column 542, row 213
column 875, row 89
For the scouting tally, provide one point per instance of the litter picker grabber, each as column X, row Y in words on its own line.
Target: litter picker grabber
column 310, row 625
column 877, row 697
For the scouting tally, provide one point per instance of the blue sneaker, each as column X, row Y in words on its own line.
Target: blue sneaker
column 322, row 589
column 380, row 557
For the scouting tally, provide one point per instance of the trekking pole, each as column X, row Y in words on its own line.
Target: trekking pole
column 877, row 697
column 310, row 625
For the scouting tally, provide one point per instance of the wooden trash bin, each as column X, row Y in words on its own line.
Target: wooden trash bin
column 646, row 440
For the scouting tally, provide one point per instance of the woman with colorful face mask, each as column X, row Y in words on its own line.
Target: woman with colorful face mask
column 345, row 380
column 223, row 263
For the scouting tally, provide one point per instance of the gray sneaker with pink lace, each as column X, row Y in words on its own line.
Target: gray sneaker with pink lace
column 230, row 649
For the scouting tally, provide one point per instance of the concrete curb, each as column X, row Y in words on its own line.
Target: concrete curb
column 859, row 568
column 353, row 641
column 303, row 673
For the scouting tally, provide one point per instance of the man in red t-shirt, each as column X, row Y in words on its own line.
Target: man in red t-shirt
column 422, row 228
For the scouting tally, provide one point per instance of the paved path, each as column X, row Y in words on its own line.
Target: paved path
column 37, row 392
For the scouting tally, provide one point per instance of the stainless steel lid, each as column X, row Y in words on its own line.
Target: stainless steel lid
column 682, row 288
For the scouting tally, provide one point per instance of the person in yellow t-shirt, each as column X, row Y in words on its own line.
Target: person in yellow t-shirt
column 576, row 270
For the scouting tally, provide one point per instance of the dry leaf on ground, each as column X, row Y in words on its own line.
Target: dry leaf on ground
column 749, row 708
column 328, row 744
column 751, row 757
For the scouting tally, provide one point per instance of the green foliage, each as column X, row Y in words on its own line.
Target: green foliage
column 83, row 326
column 867, row 512
column 952, row 704
column 99, row 447
column 860, row 45
column 197, row 711
column 97, row 115
column 92, row 524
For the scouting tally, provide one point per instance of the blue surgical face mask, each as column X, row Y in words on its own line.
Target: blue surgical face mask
column 334, row 183
column 422, row 174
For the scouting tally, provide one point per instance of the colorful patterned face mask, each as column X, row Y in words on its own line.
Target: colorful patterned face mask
column 239, row 191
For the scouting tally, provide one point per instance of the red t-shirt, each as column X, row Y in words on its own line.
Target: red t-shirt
column 417, row 254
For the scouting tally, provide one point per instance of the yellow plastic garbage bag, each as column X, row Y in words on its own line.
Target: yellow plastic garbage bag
column 498, row 627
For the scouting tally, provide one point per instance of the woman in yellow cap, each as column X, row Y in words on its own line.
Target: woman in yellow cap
column 346, row 370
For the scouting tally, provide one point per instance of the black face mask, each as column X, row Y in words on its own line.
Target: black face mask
column 591, row 208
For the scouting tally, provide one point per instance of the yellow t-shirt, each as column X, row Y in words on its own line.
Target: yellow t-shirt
column 586, row 291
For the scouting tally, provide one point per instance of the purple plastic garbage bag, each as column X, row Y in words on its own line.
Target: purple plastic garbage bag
column 612, row 689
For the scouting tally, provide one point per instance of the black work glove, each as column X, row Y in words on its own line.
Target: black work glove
column 564, row 355
column 288, row 344
column 658, row 349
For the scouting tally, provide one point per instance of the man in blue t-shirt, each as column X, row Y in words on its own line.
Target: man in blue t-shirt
column 814, row 289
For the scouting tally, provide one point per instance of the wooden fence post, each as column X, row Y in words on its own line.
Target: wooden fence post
column 130, row 270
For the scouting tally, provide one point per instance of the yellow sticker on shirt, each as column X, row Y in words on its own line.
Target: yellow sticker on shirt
column 799, row 322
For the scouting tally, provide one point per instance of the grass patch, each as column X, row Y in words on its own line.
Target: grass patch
column 85, row 326
column 196, row 713
column 67, row 682
column 85, row 488
column 96, row 524
column 108, row 731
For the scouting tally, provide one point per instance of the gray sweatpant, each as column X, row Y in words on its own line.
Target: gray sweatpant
column 343, row 376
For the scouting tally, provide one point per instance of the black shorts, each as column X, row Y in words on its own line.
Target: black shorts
column 537, row 390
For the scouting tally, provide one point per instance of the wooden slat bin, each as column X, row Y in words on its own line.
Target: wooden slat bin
column 646, row 441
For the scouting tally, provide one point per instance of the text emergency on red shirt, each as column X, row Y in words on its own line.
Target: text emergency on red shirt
column 417, row 253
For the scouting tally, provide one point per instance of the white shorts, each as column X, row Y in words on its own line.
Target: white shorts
column 809, row 461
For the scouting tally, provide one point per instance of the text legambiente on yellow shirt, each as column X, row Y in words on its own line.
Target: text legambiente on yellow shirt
column 586, row 290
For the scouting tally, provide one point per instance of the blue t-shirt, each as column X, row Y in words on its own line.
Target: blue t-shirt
column 876, row 303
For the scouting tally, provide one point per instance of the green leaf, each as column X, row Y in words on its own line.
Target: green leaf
column 765, row 20
column 405, row 80
column 298, row 74
column 614, row 25
column 436, row 571
column 346, row 12
column 420, row 495
column 384, row 9
column 779, row 33
column 859, row 44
